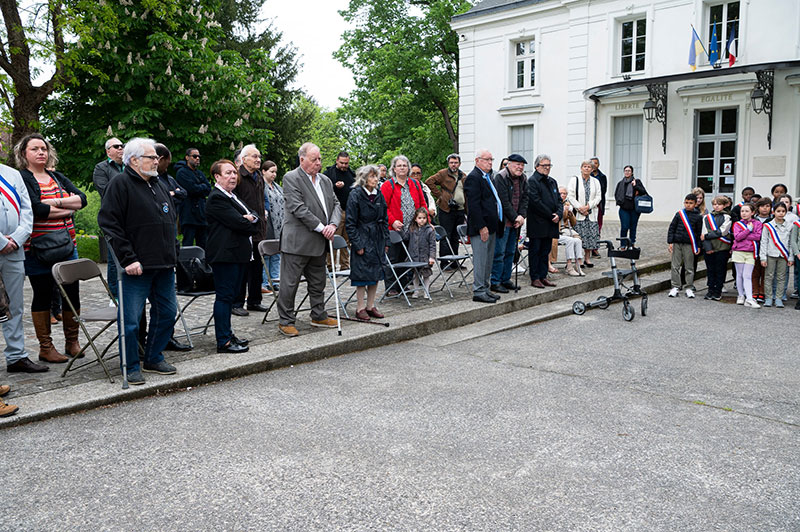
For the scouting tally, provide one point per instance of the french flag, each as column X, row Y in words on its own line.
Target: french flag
column 730, row 46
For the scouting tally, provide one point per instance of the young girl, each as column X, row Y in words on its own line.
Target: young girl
column 763, row 214
column 775, row 255
column 746, row 236
column 701, row 200
column 421, row 247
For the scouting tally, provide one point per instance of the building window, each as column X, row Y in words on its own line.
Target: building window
column 522, row 142
column 634, row 37
column 725, row 19
column 524, row 64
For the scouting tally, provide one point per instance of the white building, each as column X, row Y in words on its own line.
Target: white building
column 570, row 78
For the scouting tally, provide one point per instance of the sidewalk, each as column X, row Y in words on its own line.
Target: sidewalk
column 44, row 395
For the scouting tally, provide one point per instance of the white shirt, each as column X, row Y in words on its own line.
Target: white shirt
column 318, row 189
column 232, row 196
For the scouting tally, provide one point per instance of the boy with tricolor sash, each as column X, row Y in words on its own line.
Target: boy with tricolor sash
column 683, row 238
column 717, row 244
column 775, row 254
column 794, row 249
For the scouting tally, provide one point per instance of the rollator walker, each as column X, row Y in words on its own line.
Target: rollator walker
column 619, row 276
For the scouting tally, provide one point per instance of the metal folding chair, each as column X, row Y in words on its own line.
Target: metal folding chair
column 452, row 258
column 463, row 238
column 415, row 266
column 342, row 276
column 185, row 254
column 269, row 247
column 84, row 270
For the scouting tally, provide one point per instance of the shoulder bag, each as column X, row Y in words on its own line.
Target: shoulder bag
column 53, row 246
column 643, row 204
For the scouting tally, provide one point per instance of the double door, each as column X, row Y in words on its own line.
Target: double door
column 715, row 151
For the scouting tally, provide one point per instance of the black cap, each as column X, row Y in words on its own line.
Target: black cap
column 517, row 158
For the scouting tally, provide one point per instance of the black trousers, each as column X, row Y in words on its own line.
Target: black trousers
column 43, row 286
column 538, row 251
column 450, row 221
column 194, row 235
column 251, row 282
column 716, row 265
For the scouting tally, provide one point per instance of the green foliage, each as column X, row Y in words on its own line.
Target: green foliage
column 404, row 57
column 88, row 247
column 86, row 218
column 160, row 75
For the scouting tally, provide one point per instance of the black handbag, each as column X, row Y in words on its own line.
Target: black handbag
column 53, row 246
column 644, row 204
column 194, row 275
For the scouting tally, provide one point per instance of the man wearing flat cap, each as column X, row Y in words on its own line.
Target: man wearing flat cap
column 512, row 189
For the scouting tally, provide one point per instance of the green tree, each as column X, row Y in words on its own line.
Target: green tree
column 163, row 76
column 404, row 57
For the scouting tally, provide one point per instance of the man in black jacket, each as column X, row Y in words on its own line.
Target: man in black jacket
column 139, row 217
column 342, row 177
column 108, row 168
column 512, row 188
column 484, row 215
column 544, row 215
column 193, row 209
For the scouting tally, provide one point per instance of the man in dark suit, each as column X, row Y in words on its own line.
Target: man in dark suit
column 193, row 209
column 484, row 215
column 544, row 215
column 311, row 217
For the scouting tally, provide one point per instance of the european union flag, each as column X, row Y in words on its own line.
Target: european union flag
column 713, row 54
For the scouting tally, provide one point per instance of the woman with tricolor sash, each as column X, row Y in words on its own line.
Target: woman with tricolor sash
column 775, row 255
column 746, row 239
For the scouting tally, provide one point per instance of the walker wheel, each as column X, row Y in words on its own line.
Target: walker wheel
column 579, row 307
column 644, row 304
column 602, row 302
column 627, row 311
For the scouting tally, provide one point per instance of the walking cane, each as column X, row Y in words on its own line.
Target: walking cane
column 121, row 319
column 517, row 256
column 335, row 289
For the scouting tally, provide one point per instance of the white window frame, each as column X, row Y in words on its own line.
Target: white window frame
column 634, row 20
column 525, row 59
column 523, row 123
column 722, row 35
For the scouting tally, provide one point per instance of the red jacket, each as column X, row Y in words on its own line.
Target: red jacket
column 393, row 192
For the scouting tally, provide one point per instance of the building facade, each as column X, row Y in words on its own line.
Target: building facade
column 573, row 78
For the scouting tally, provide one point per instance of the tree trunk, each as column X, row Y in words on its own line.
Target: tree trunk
column 25, row 114
column 448, row 123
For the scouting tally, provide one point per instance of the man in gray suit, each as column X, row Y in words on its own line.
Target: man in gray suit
column 312, row 215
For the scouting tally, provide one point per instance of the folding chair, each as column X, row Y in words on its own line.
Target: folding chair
column 184, row 255
column 396, row 238
column 84, row 270
column 338, row 243
column 269, row 247
column 464, row 239
column 452, row 258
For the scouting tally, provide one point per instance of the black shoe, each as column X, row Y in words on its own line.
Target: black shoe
column 162, row 368
column 595, row 253
column 135, row 377
column 588, row 265
column 24, row 365
column 493, row 296
column 174, row 345
column 499, row 288
column 484, row 298
column 717, row 296
column 797, row 306
column 510, row 285
column 240, row 341
column 708, row 296
column 257, row 308
column 233, row 347
column 239, row 311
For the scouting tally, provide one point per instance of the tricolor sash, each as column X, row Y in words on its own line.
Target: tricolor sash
column 685, row 220
column 11, row 194
column 773, row 234
column 756, row 243
column 712, row 225
column 797, row 223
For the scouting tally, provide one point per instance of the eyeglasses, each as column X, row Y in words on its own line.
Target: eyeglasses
column 490, row 159
column 116, row 146
column 151, row 157
column 546, row 165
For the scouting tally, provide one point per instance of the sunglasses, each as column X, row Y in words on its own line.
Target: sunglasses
column 116, row 146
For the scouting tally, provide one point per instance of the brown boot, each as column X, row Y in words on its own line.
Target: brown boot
column 7, row 410
column 47, row 351
column 71, row 347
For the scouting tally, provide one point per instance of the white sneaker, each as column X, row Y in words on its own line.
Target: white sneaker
column 689, row 293
column 673, row 292
column 751, row 303
column 740, row 300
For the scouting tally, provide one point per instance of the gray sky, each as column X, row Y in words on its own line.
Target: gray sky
column 315, row 28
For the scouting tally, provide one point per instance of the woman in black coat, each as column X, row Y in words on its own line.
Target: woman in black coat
column 367, row 226
column 625, row 196
column 231, row 226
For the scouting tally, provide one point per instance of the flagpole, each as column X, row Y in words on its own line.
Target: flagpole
column 699, row 39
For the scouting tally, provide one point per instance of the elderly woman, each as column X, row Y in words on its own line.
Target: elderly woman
column 274, row 207
column 231, row 226
column 625, row 196
column 403, row 197
column 583, row 193
column 54, row 199
column 367, row 224
column 568, row 237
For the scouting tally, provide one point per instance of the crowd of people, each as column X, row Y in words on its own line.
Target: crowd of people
column 385, row 214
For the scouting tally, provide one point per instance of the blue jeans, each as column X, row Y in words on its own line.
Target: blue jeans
column 628, row 221
column 504, row 250
column 274, row 267
column 227, row 280
column 159, row 287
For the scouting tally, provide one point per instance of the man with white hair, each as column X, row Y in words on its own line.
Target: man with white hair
column 312, row 214
column 251, row 191
column 139, row 216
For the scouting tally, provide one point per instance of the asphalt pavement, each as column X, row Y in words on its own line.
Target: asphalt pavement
column 684, row 419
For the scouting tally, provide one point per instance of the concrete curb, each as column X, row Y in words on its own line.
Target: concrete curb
column 308, row 348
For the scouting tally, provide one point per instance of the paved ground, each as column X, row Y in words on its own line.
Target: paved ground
column 687, row 419
column 652, row 237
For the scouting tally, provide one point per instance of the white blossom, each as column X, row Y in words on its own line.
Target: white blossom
column 120, row 126
column 73, row 132
column 161, row 126
column 116, row 78
column 109, row 132
column 100, row 89
column 130, row 58
column 169, row 133
column 233, row 146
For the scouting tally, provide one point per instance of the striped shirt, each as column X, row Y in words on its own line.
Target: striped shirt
column 51, row 190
